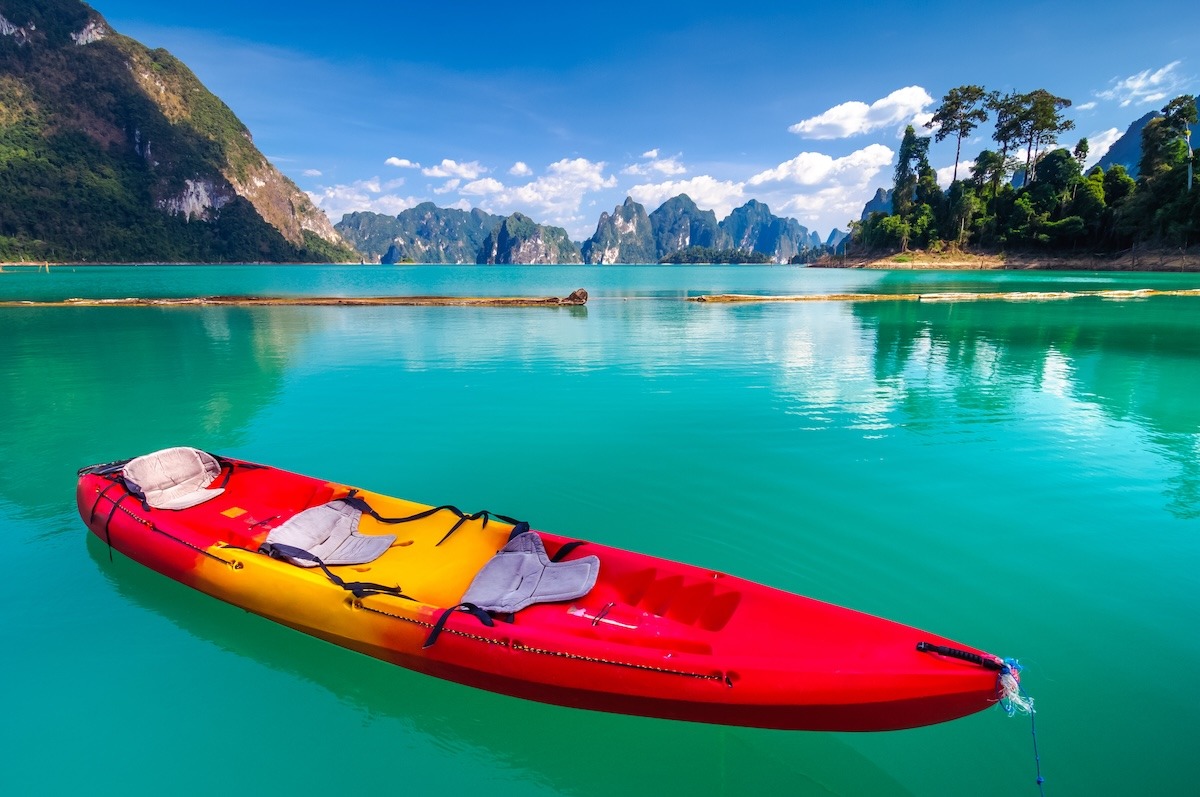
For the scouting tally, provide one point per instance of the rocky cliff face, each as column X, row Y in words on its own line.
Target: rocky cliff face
column 754, row 228
column 679, row 224
column 135, row 158
column 518, row 240
column 421, row 234
column 624, row 237
column 880, row 203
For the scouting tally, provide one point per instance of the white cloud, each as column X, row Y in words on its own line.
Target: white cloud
column 311, row 172
column 813, row 168
column 488, row 185
column 520, row 169
column 402, row 163
column 450, row 168
column 448, row 187
column 1087, row 106
column 1146, row 86
column 1099, row 144
column 362, row 195
column 853, row 118
column 946, row 173
column 554, row 198
column 666, row 166
column 707, row 192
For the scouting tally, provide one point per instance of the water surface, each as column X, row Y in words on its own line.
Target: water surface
column 1020, row 476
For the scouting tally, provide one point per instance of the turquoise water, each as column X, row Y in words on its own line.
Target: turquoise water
column 1021, row 476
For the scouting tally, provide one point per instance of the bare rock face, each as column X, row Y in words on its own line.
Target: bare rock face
column 624, row 237
column 518, row 240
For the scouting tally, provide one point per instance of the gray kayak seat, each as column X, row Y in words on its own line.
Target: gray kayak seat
column 521, row 574
column 330, row 533
column 174, row 478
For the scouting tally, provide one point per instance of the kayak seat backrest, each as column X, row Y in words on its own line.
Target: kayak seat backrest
column 521, row 574
column 173, row 478
column 328, row 532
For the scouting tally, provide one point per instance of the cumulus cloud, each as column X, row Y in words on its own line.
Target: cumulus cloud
column 488, row 185
column 813, row 168
column 520, row 169
column 652, row 164
column 1146, row 86
column 1087, row 106
column 450, row 168
column 946, row 173
column 853, row 118
column 553, row 198
column 311, row 172
column 449, row 186
column 338, row 200
column 402, row 163
column 707, row 192
column 1099, row 144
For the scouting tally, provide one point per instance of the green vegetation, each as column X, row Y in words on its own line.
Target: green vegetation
column 701, row 254
column 98, row 142
column 1051, row 204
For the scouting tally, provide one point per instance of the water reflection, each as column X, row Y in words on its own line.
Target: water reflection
column 79, row 385
column 1130, row 362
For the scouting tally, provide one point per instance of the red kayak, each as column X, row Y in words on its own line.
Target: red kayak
column 485, row 601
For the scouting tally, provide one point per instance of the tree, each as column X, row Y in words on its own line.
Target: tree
column 914, row 153
column 1009, row 132
column 961, row 111
column 1042, row 121
column 1081, row 152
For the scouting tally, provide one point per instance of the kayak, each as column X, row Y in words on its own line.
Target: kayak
column 483, row 600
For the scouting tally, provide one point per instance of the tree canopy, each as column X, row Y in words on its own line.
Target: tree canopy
column 1050, row 203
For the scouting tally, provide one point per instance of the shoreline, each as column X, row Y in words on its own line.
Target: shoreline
column 1131, row 260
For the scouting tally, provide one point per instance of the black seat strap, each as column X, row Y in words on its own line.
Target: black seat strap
column 440, row 625
column 360, row 589
column 562, row 552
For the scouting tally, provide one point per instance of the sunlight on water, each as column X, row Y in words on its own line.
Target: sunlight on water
column 1021, row 476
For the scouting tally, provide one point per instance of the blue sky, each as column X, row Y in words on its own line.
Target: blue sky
column 561, row 110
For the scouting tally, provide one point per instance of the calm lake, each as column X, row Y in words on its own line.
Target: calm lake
column 1021, row 476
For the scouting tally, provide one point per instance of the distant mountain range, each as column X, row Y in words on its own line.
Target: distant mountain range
column 429, row 234
column 113, row 152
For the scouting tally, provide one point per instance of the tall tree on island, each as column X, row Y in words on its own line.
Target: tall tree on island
column 911, row 162
column 962, row 110
column 1043, row 121
column 1009, row 132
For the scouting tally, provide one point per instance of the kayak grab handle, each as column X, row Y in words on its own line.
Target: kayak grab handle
column 986, row 662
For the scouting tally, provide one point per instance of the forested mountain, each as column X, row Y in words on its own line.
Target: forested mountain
column 421, row 234
column 754, row 228
column 678, row 224
column 518, row 239
column 113, row 152
column 626, row 236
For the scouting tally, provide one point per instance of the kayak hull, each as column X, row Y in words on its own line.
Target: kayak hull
column 653, row 637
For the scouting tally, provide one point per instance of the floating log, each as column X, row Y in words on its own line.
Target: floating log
column 1005, row 296
column 575, row 299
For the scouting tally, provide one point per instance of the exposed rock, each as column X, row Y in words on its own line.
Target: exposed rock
column 624, row 237
column 678, row 224
column 196, row 200
column 753, row 228
column 518, row 240
column 880, row 203
column 421, row 234
column 94, row 31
